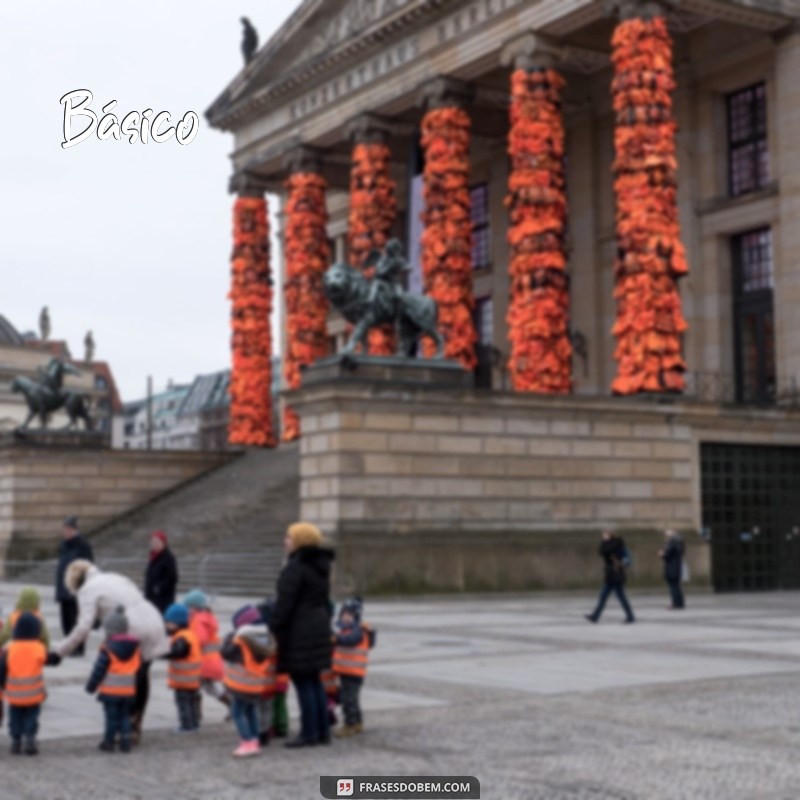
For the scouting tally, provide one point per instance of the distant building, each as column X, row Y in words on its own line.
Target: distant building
column 165, row 408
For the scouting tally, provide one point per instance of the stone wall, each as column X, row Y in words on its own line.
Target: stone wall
column 39, row 486
column 453, row 488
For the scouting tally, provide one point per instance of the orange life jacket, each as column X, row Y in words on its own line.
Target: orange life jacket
column 25, row 662
column 184, row 673
column 352, row 661
column 330, row 682
column 251, row 677
column 120, row 680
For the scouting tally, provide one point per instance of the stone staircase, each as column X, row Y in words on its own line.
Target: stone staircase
column 226, row 528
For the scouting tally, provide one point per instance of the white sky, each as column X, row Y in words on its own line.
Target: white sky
column 131, row 241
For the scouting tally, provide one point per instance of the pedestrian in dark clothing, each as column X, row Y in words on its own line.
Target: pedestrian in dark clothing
column 672, row 556
column 114, row 679
column 73, row 547
column 301, row 624
column 161, row 575
column 615, row 556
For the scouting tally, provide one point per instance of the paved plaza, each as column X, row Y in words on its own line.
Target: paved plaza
column 518, row 691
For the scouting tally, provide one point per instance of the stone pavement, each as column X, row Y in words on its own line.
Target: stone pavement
column 518, row 691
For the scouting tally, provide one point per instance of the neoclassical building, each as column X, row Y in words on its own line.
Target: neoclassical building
column 344, row 92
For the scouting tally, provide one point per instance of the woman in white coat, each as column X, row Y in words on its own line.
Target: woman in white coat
column 98, row 594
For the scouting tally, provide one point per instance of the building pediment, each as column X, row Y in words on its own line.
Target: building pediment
column 319, row 34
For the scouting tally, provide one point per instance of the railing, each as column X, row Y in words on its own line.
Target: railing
column 250, row 574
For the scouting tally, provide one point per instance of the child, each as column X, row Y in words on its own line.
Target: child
column 354, row 639
column 183, row 675
column 250, row 663
column 22, row 678
column 205, row 626
column 27, row 600
column 114, row 680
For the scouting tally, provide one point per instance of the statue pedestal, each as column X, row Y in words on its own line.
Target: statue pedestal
column 33, row 437
column 394, row 370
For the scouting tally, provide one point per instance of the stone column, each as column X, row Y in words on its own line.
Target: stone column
column 447, row 237
column 251, row 420
column 787, row 235
column 650, row 256
column 540, row 358
column 373, row 206
column 306, row 256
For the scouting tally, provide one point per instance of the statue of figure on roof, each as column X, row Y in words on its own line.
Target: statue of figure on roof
column 44, row 324
column 249, row 40
column 88, row 347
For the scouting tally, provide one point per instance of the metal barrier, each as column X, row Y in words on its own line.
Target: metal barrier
column 247, row 574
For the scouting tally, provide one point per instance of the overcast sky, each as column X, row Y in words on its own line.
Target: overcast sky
column 129, row 240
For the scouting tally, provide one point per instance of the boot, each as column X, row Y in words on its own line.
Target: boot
column 358, row 727
column 106, row 746
column 30, row 748
column 263, row 738
column 345, row 731
column 124, row 744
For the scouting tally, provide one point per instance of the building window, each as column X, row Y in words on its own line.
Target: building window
column 754, row 329
column 484, row 320
column 748, row 163
column 481, row 247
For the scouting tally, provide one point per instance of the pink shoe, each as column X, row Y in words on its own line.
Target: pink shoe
column 247, row 749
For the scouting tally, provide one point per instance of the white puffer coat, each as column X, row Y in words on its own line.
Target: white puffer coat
column 98, row 594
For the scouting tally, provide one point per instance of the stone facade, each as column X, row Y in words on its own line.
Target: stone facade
column 39, row 486
column 417, row 482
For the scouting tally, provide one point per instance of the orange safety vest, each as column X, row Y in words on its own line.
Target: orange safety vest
column 330, row 681
column 251, row 677
column 120, row 680
column 352, row 660
column 15, row 615
column 184, row 673
column 25, row 662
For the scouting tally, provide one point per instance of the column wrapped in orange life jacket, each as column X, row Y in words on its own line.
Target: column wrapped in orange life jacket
column 120, row 680
column 251, row 677
column 352, row 661
column 330, row 682
column 184, row 673
column 25, row 662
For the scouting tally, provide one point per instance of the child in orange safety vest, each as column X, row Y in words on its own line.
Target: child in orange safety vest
column 114, row 679
column 250, row 678
column 27, row 600
column 185, row 661
column 22, row 678
column 352, row 642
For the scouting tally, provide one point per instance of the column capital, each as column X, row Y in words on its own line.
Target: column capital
column 532, row 51
column 444, row 92
column 304, row 159
column 641, row 9
column 247, row 184
column 368, row 129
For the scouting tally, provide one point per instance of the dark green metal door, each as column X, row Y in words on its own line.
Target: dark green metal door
column 751, row 508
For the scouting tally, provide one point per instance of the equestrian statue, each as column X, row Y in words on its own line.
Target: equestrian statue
column 46, row 395
column 380, row 301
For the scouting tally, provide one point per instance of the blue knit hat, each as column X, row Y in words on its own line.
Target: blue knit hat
column 195, row 599
column 177, row 614
column 28, row 627
column 354, row 606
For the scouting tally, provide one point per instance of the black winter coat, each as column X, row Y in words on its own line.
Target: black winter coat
column 161, row 580
column 68, row 551
column 673, row 557
column 301, row 618
column 612, row 551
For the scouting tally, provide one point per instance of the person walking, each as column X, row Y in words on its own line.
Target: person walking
column 73, row 546
column 99, row 594
column 300, row 621
column 161, row 575
column 615, row 558
column 672, row 556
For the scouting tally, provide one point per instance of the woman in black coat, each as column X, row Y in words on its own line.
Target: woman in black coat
column 614, row 554
column 672, row 556
column 161, row 575
column 300, row 620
